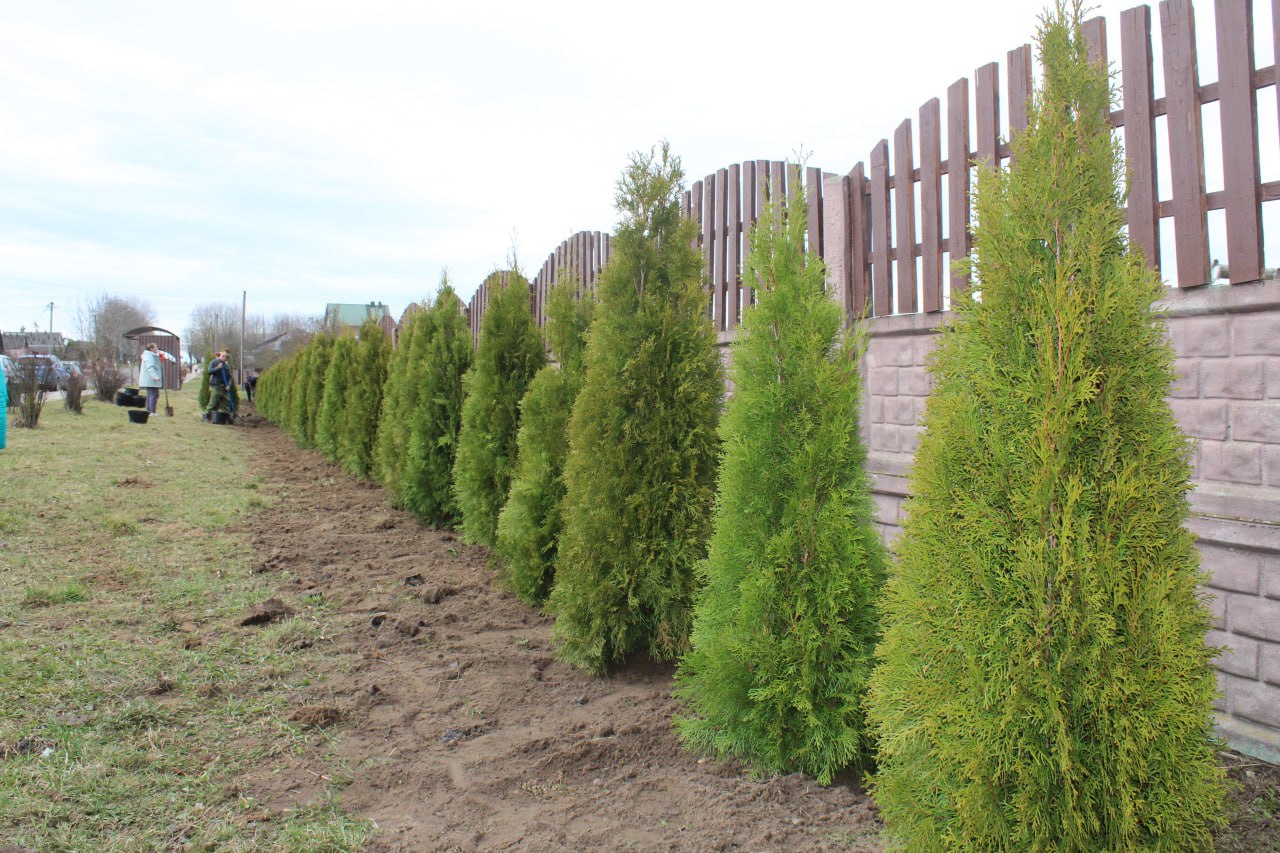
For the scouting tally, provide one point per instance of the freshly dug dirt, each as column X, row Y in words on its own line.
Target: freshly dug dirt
column 441, row 699
column 445, row 705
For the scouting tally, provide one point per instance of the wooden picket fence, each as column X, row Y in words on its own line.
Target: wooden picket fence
column 889, row 227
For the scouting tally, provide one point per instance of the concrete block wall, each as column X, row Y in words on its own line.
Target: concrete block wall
column 1226, row 397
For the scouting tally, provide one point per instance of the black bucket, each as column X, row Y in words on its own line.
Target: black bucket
column 138, row 416
column 123, row 399
column 220, row 417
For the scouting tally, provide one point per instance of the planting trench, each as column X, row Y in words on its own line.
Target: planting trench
column 448, row 720
column 455, row 723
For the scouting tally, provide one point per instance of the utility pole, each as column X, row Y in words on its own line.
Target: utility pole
column 51, row 326
column 244, row 307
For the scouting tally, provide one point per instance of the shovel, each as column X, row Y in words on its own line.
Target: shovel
column 168, row 410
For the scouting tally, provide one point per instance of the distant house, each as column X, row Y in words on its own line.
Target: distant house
column 340, row 315
column 45, row 343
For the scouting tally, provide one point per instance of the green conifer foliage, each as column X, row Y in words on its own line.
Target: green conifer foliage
column 445, row 345
column 509, row 354
column 204, row 394
column 307, row 405
column 398, row 401
column 294, row 368
column 363, row 407
column 333, row 399
column 529, row 525
column 640, row 474
column 270, row 390
column 785, row 629
column 1043, row 680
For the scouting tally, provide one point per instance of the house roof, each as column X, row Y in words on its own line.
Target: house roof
column 351, row 314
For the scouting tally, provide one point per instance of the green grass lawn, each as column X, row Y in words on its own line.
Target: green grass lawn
column 130, row 698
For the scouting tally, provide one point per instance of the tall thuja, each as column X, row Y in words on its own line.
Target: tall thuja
column 1043, row 681
column 445, row 344
column 529, row 525
column 363, row 407
column 640, row 474
column 333, row 399
column 785, row 629
column 308, row 402
column 509, row 354
column 204, row 394
column 291, row 405
column 398, row 400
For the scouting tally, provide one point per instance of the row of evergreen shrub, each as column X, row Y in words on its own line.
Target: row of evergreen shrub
column 1033, row 675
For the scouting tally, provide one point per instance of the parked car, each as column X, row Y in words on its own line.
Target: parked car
column 52, row 375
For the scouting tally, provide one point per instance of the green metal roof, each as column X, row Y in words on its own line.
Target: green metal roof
column 348, row 314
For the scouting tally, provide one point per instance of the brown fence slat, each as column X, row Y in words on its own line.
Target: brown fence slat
column 904, row 197
column 1238, row 109
column 762, row 188
column 813, row 192
column 575, row 252
column 695, row 208
column 792, row 177
column 931, row 205
column 958, row 180
column 778, row 184
column 1095, row 36
column 881, row 274
column 1019, row 89
column 709, row 239
column 719, row 275
column 733, row 242
column 987, row 127
column 1186, row 143
column 1138, row 88
column 859, row 241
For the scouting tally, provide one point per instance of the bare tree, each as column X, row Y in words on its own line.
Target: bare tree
column 102, row 321
column 213, row 326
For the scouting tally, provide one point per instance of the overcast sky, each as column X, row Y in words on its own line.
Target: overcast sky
column 313, row 152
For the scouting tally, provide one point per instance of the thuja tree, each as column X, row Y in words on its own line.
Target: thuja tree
column 1044, row 683
column 308, row 402
column 292, row 418
column 640, row 474
column 510, row 352
column 785, row 629
column 445, row 345
column 529, row 524
column 333, row 398
column 399, row 399
column 363, row 407
column 204, row 394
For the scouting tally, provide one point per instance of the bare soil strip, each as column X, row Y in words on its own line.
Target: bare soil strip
column 453, row 725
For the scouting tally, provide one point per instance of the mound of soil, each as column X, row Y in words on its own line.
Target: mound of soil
column 456, row 723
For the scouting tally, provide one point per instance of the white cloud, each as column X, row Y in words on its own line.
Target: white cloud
column 338, row 151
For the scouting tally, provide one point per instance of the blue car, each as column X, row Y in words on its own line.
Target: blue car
column 52, row 373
